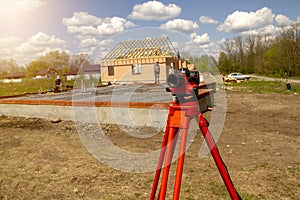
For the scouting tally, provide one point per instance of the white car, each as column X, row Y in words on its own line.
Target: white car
column 239, row 76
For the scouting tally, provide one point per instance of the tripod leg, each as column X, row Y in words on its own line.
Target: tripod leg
column 160, row 161
column 172, row 139
column 180, row 163
column 217, row 158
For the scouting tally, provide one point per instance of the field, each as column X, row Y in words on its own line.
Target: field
column 35, row 86
column 260, row 144
column 261, row 86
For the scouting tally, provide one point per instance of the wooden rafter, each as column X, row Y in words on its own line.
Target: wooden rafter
column 135, row 49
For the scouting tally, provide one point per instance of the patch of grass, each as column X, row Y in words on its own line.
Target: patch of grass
column 263, row 87
column 293, row 171
column 252, row 197
column 218, row 189
column 39, row 85
column 295, row 77
column 28, row 86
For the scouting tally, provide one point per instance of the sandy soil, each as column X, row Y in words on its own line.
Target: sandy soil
column 260, row 145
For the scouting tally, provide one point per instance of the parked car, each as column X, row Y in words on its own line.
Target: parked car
column 239, row 76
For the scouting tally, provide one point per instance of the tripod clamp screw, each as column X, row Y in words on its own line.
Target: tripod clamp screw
column 203, row 122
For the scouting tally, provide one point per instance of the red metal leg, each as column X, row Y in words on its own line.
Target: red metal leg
column 172, row 139
column 217, row 158
column 160, row 161
column 180, row 163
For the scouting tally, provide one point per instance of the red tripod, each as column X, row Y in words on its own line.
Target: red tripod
column 179, row 118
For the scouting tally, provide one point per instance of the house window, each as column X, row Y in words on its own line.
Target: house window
column 136, row 69
column 111, row 71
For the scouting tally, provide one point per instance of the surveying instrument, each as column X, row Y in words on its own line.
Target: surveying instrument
column 184, row 86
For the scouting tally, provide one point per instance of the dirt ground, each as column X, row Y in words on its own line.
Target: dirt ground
column 260, row 145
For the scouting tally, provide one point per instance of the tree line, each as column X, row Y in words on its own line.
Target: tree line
column 60, row 61
column 277, row 56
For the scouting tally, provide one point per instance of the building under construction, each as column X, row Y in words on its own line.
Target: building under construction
column 133, row 60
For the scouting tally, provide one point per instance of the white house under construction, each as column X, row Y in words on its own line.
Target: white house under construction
column 133, row 60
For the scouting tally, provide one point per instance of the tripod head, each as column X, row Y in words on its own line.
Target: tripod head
column 184, row 85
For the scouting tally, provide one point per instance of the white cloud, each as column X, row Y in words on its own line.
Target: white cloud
column 103, row 48
column 240, row 21
column 89, row 29
column 267, row 30
column 26, row 51
column 108, row 26
column 11, row 9
column 106, row 43
column 129, row 24
column 193, row 49
column 81, row 19
column 83, row 30
column 38, row 42
column 89, row 42
column 207, row 20
column 282, row 20
column 211, row 49
column 97, row 49
column 114, row 25
column 200, row 39
column 7, row 45
column 83, row 23
column 201, row 45
column 154, row 10
column 181, row 25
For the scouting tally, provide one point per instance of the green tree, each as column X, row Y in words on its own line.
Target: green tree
column 56, row 59
column 289, row 40
column 244, row 54
column 224, row 64
column 34, row 67
column 250, row 57
column 204, row 63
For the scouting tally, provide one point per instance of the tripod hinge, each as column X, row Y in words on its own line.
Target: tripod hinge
column 179, row 120
column 202, row 121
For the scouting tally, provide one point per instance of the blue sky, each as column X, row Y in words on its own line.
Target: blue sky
column 29, row 28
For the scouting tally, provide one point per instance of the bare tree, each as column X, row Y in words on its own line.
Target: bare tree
column 8, row 66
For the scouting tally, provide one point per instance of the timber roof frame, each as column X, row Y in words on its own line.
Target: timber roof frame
column 145, row 48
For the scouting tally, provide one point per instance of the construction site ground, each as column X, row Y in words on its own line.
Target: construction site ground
column 113, row 93
column 260, row 144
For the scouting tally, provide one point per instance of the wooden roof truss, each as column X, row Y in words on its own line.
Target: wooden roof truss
column 146, row 48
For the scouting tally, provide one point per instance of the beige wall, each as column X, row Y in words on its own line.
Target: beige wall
column 124, row 74
column 123, row 69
